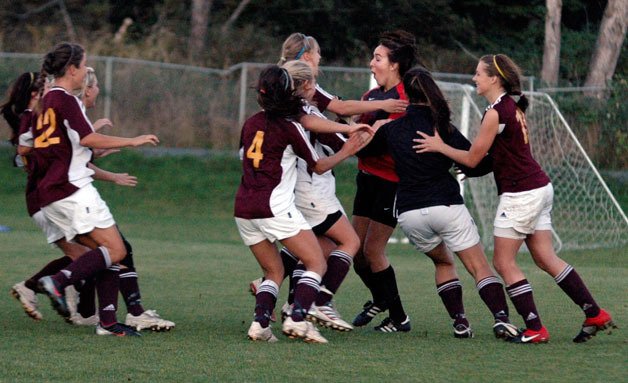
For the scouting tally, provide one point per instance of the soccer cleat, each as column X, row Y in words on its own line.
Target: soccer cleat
column 591, row 326
column 286, row 311
column 117, row 329
column 257, row 332
column 369, row 311
column 78, row 320
column 462, row 331
column 326, row 315
column 48, row 286
column 531, row 336
column 72, row 300
column 304, row 330
column 27, row 298
column 388, row 325
column 504, row 330
column 149, row 319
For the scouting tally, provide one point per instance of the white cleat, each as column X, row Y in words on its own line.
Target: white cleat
column 27, row 298
column 149, row 319
column 286, row 311
column 257, row 332
column 326, row 315
column 78, row 320
column 72, row 300
column 303, row 330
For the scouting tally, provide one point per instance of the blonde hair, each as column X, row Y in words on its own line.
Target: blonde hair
column 90, row 80
column 295, row 46
column 300, row 72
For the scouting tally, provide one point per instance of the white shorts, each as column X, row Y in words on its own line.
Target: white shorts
column 426, row 228
column 317, row 214
column 80, row 213
column 522, row 213
column 273, row 229
column 52, row 232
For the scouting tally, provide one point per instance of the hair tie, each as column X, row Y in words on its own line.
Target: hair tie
column 286, row 76
column 497, row 66
column 32, row 78
column 262, row 91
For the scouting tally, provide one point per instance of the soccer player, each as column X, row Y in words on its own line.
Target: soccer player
column 373, row 217
column 429, row 207
column 525, row 199
column 62, row 137
column 270, row 143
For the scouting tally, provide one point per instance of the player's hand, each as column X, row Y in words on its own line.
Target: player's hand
column 355, row 128
column 146, row 139
column 103, row 122
column 124, row 179
column 428, row 143
column 393, row 105
column 100, row 153
column 357, row 141
column 379, row 123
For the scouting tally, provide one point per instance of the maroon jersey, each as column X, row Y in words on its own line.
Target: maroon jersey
column 269, row 149
column 383, row 165
column 514, row 168
column 322, row 98
column 61, row 161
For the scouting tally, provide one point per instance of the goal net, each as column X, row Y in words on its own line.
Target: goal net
column 585, row 214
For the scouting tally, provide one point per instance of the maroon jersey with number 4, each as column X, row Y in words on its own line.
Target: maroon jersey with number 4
column 269, row 149
column 514, row 168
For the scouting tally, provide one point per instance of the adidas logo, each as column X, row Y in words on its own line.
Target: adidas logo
column 586, row 306
column 500, row 313
column 503, row 215
column 109, row 308
column 531, row 316
column 67, row 273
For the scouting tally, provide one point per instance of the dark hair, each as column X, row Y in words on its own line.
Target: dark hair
column 59, row 59
column 402, row 46
column 422, row 89
column 509, row 75
column 18, row 99
column 276, row 93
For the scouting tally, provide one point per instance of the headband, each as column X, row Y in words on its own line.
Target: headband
column 286, row 76
column 497, row 66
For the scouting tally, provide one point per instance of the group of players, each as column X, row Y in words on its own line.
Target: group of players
column 401, row 132
column 56, row 144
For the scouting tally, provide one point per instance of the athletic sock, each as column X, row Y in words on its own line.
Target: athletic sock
column 386, row 283
column 87, row 298
column 289, row 262
column 338, row 265
column 294, row 279
column 84, row 267
column 450, row 293
column 51, row 268
column 107, row 285
column 574, row 287
column 265, row 300
column 492, row 293
column 366, row 275
column 130, row 291
column 520, row 294
column 304, row 294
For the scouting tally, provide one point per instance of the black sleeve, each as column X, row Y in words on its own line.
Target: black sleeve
column 458, row 141
column 378, row 145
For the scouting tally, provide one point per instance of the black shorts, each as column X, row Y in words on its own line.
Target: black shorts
column 331, row 219
column 375, row 199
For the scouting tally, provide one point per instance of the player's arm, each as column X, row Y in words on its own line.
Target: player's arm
column 478, row 150
column 352, row 107
column 323, row 125
column 24, row 150
column 353, row 145
column 122, row 179
column 101, row 141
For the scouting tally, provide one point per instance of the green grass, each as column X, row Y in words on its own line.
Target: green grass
column 195, row 271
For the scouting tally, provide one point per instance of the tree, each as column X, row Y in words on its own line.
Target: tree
column 198, row 27
column 551, row 48
column 607, row 47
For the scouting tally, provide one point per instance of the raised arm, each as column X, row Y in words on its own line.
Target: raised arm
column 101, row 141
column 352, row 107
column 353, row 145
column 478, row 150
column 323, row 125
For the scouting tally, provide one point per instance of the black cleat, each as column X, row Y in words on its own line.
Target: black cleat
column 117, row 329
column 49, row 287
column 369, row 311
column 388, row 325
column 504, row 330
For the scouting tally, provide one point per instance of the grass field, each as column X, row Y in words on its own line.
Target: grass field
column 195, row 271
